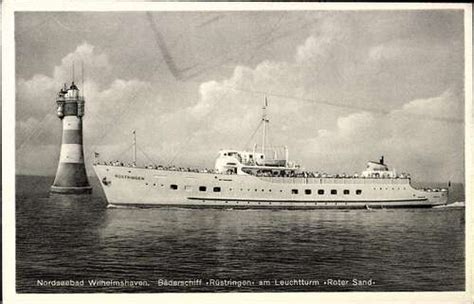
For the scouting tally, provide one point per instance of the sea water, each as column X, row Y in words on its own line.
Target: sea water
column 77, row 244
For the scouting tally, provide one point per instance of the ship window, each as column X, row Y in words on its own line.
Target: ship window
column 174, row 187
column 307, row 191
column 321, row 191
column 346, row 191
column 333, row 191
column 202, row 188
column 358, row 192
column 217, row 189
column 294, row 191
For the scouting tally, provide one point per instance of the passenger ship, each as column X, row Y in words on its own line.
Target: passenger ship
column 256, row 179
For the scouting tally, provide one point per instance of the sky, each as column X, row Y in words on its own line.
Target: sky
column 343, row 87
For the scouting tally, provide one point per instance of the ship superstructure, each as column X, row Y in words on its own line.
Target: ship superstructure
column 261, row 178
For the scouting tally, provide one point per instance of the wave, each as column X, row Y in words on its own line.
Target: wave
column 112, row 206
column 452, row 205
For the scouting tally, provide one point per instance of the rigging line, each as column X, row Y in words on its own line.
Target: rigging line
column 116, row 155
column 124, row 151
column 152, row 160
column 253, row 135
column 269, row 137
column 196, row 130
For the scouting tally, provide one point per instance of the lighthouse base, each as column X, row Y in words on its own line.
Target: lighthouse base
column 71, row 190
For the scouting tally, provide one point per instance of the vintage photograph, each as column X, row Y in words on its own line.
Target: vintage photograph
column 243, row 150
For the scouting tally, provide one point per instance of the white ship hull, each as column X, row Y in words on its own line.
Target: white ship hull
column 152, row 187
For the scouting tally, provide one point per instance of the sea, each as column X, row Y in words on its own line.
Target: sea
column 77, row 244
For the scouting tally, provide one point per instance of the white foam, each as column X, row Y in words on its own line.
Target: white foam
column 452, row 205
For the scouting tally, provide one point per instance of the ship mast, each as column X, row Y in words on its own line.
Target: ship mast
column 265, row 121
column 134, row 148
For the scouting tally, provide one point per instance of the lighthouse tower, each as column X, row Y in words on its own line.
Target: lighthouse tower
column 71, row 177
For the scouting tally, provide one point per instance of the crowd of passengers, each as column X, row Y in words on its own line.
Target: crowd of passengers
column 310, row 174
column 158, row 167
column 282, row 173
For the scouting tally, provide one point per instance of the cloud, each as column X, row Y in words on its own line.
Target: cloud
column 419, row 134
column 111, row 108
column 427, row 148
column 349, row 92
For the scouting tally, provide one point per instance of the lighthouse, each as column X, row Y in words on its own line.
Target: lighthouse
column 71, row 177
